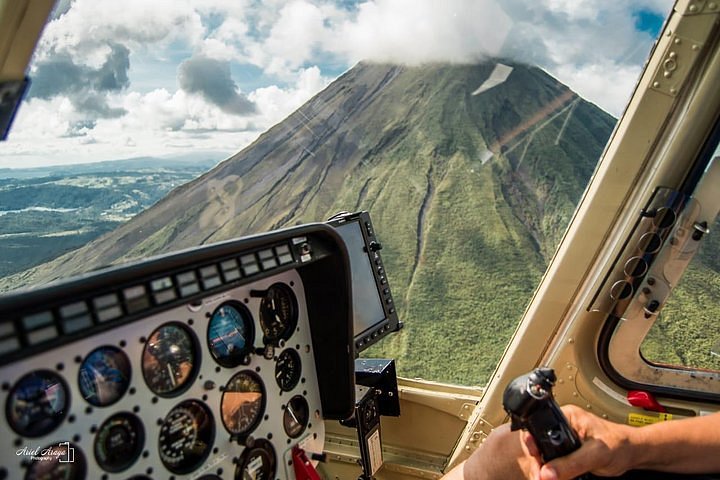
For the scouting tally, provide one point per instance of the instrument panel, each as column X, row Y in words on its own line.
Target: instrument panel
column 219, row 385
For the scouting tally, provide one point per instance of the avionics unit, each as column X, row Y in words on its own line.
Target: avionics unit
column 374, row 313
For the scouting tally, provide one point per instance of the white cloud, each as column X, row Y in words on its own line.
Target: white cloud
column 90, row 25
column 591, row 82
column 417, row 31
column 592, row 45
column 276, row 103
column 292, row 39
column 158, row 123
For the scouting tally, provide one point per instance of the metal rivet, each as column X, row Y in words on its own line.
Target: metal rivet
column 467, row 448
column 476, row 435
column 696, row 47
column 656, row 84
column 481, row 422
column 667, row 74
column 672, row 54
column 693, row 8
column 677, row 41
column 712, row 6
column 570, row 340
column 561, row 381
column 575, row 394
column 604, row 415
column 673, row 91
column 570, row 377
column 588, row 406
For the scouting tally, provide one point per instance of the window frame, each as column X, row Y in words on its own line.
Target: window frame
column 620, row 340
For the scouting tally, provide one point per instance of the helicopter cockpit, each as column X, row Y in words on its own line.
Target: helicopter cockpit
column 417, row 219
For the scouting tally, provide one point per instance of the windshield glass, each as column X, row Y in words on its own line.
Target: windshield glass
column 468, row 129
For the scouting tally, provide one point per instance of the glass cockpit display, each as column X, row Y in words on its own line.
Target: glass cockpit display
column 37, row 404
column 104, row 376
column 231, row 334
column 368, row 310
column 169, row 360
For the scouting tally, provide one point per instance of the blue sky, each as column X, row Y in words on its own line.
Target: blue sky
column 136, row 78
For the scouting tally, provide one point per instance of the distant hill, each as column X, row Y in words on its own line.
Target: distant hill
column 470, row 190
column 206, row 160
column 46, row 212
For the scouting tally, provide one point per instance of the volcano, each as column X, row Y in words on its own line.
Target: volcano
column 470, row 172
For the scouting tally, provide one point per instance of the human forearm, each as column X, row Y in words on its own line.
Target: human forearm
column 682, row 446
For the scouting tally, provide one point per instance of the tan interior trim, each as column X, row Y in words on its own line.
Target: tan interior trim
column 601, row 222
column 21, row 22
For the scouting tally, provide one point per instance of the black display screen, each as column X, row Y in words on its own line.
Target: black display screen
column 367, row 307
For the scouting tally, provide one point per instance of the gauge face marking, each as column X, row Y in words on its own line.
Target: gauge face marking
column 104, row 376
column 37, row 404
column 58, row 462
column 186, row 436
column 243, row 403
column 278, row 313
column 257, row 463
column 169, row 360
column 119, row 442
column 231, row 334
column 288, row 369
column 296, row 416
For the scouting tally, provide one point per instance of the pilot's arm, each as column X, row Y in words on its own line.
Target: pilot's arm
column 503, row 454
column 609, row 449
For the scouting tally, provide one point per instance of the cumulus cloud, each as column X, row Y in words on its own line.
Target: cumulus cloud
column 211, row 79
column 105, row 72
column 89, row 24
column 418, row 31
column 85, row 86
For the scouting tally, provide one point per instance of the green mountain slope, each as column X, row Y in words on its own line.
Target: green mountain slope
column 470, row 194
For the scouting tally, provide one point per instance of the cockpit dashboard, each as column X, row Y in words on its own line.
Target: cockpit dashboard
column 218, row 362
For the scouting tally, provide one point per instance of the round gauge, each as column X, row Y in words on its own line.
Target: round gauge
column 257, row 463
column 104, row 376
column 58, row 462
column 243, row 403
column 231, row 334
column 186, row 436
column 37, row 403
column 278, row 313
column 296, row 416
column 169, row 360
column 288, row 369
column 119, row 442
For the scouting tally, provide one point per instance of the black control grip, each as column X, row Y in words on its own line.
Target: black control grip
column 551, row 432
column 529, row 401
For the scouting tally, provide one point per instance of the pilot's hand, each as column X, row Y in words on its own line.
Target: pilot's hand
column 605, row 450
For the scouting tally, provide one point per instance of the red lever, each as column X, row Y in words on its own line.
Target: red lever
column 646, row 400
column 304, row 470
